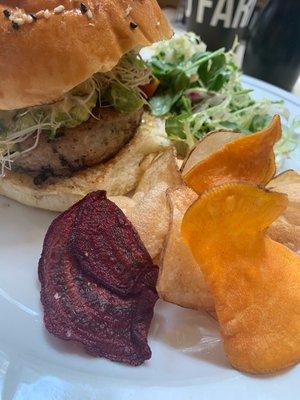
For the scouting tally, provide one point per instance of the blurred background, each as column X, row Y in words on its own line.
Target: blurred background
column 268, row 32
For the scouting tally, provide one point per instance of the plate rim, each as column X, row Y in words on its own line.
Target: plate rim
column 275, row 90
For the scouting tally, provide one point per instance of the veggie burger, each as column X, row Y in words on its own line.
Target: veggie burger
column 73, row 86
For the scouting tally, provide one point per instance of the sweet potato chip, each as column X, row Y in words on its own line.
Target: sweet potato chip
column 206, row 146
column 180, row 278
column 286, row 229
column 254, row 280
column 248, row 159
column 151, row 213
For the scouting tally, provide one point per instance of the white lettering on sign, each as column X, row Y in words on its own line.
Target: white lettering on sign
column 188, row 8
column 245, row 8
column 224, row 11
column 202, row 5
column 219, row 15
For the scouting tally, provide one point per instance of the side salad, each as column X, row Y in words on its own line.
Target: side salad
column 201, row 91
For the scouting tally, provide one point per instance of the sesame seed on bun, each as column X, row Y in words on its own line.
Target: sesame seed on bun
column 47, row 47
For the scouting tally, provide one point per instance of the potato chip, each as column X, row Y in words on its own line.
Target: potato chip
column 163, row 170
column 254, row 280
column 125, row 203
column 151, row 212
column 180, row 278
column 286, row 229
column 206, row 146
column 248, row 159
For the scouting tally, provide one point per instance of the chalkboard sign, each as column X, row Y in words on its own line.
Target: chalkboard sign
column 218, row 21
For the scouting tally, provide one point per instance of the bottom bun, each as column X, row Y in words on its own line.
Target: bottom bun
column 118, row 176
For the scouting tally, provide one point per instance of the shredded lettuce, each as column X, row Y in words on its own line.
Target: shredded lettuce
column 119, row 87
column 201, row 91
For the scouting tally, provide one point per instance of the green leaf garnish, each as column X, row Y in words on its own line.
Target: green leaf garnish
column 201, row 91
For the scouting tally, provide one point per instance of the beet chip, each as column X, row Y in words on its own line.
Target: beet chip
column 98, row 281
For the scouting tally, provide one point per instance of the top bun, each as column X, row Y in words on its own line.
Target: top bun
column 42, row 60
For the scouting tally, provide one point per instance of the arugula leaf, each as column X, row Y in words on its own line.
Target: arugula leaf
column 201, row 91
column 199, row 56
column 161, row 104
column 259, row 122
column 175, row 125
column 213, row 73
column 160, row 69
column 171, row 90
column 176, row 78
column 183, row 104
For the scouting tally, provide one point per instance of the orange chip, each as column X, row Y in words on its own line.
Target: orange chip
column 247, row 159
column 254, row 280
column 206, row 146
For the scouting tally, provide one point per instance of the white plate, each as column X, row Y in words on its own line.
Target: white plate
column 187, row 361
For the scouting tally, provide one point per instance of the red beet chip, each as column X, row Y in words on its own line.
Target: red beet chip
column 107, row 247
column 82, row 304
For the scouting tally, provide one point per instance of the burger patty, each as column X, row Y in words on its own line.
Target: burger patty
column 90, row 143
